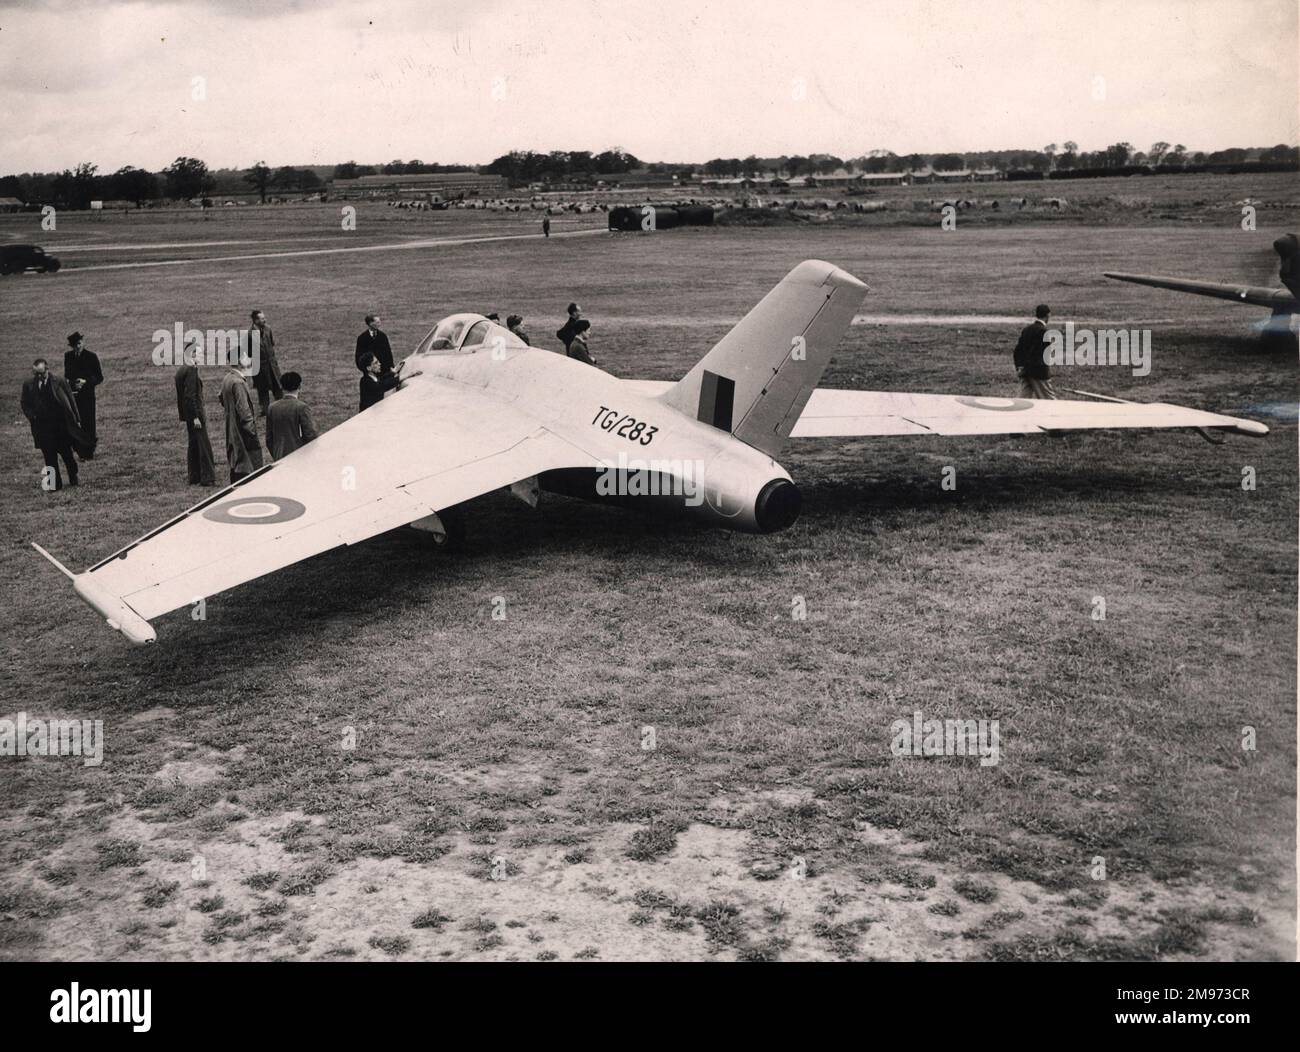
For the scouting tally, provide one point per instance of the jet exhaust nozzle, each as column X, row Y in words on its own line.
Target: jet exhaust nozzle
column 777, row 506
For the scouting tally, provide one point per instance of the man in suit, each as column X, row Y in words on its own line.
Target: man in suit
column 189, row 404
column 289, row 425
column 375, row 383
column 374, row 341
column 566, row 331
column 81, row 370
column 242, row 451
column 49, row 406
column 267, row 380
column 1031, row 364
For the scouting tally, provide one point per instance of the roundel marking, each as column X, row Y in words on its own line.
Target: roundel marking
column 1013, row 404
column 256, row 511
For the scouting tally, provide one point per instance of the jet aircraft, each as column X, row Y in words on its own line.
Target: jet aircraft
column 488, row 412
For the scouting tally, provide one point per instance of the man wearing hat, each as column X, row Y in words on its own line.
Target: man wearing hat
column 81, row 370
column 1031, row 363
column 515, row 323
column 289, row 425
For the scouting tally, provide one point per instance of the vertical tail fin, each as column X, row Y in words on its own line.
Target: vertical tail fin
column 756, row 381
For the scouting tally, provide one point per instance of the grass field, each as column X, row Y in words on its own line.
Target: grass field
column 498, row 802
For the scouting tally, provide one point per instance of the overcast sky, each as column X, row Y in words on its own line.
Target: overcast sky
column 316, row 83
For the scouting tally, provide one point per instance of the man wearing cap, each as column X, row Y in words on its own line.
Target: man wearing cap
column 375, row 341
column 189, row 404
column 515, row 323
column 289, row 425
column 1031, row 362
column 81, row 370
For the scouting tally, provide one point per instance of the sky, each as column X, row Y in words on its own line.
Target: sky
column 294, row 82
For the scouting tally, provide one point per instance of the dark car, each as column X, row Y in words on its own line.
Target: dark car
column 14, row 259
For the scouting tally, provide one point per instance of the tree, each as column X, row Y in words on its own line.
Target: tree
column 289, row 178
column 1157, row 152
column 1117, row 155
column 258, row 176
column 949, row 162
column 1280, row 152
column 346, row 170
column 186, row 178
column 615, row 160
column 132, row 184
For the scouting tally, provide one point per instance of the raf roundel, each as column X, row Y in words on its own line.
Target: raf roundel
column 1010, row 405
column 256, row 511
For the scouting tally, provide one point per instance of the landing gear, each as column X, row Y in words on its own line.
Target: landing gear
column 1280, row 333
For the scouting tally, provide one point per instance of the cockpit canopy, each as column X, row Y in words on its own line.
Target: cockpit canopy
column 466, row 333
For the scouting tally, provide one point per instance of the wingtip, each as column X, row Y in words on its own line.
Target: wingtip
column 114, row 610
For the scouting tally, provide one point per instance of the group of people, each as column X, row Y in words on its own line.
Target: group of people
column 61, row 410
column 289, row 423
column 574, row 334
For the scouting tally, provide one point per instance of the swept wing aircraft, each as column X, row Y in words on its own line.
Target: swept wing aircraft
column 1283, row 302
column 487, row 412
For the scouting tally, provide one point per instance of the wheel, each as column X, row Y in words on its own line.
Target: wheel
column 52, row 267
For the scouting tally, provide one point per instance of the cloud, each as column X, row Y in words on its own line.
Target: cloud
column 295, row 83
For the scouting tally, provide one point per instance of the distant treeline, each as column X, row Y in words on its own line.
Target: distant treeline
column 1221, row 168
column 1050, row 159
column 188, row 178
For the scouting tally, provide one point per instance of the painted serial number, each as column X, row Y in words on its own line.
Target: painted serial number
column 624, row 426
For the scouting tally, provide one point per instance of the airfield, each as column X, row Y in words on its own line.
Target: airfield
column 498, row 802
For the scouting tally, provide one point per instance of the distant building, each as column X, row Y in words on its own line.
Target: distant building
column 986, row 175
column 10, row 204
column 447, row 184
column 839, row 178
column 882, row 178
column 638, row 177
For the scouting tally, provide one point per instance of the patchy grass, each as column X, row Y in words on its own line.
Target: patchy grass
column 1121, row 738
column 431, row 918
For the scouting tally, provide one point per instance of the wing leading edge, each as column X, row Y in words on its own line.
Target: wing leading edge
column 853, row 414
column 416, row 453
column 1257, row 295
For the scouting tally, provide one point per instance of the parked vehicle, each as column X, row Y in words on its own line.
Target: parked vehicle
column 14, row 259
